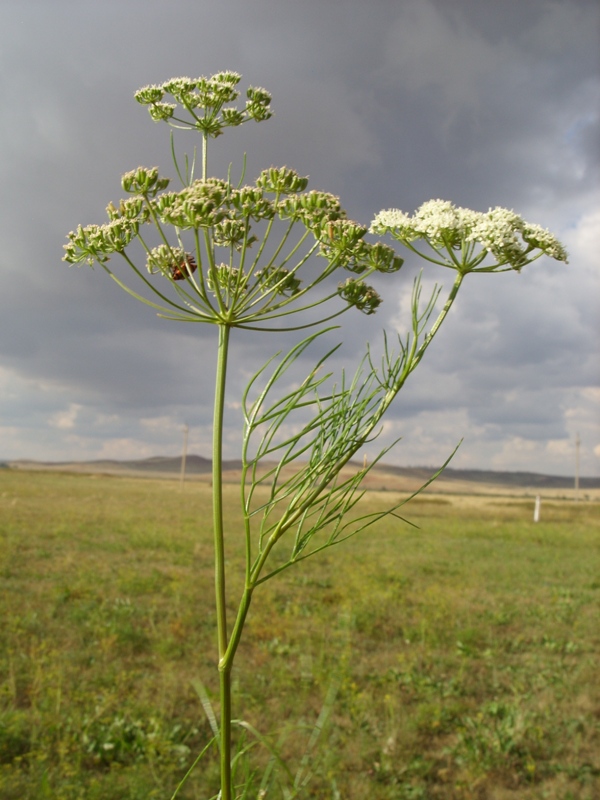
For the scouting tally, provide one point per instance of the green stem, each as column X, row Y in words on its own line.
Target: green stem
column 236, row 633
column 441, row 317
column 220, row 593
column 225, row 733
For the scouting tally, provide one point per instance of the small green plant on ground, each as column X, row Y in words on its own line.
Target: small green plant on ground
column 242, row 258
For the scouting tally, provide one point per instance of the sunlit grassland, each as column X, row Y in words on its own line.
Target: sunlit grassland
column 465, row 652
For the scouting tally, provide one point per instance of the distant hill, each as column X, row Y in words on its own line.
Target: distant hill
column 384, row 475
column 531, row 479
column 194, row 465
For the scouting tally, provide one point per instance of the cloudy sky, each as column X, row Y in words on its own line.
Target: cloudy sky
column 387, row 103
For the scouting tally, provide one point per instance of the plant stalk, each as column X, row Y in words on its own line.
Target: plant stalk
column 219, row 543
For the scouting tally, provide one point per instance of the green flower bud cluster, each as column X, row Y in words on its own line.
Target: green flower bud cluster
column 251, row 203
column 225, row 213
column 379, row 257
column 257, row 104
column 214, row 203
column 201, row 205
column 468, row 237
column 360, row 295
column 223, row 278
column 279, row 279
column 314, row 209
column 281, row 181
column 206, row 102
column 144, row 181
column 342, row 240
column 98, row 242
column 232, row 232
column 132, row 208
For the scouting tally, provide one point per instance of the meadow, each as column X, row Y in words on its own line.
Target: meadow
column 458, row 659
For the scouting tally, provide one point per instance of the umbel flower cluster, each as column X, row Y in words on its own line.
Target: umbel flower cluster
column 201, row 237
column 463, row 239
column 206, row 229
column 207, row 102
column 218, row 278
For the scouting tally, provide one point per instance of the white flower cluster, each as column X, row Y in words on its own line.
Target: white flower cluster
column 437, row 221
column 499, row 232
column 503, row 231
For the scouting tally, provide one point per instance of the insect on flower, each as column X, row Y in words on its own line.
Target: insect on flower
column 183, row 267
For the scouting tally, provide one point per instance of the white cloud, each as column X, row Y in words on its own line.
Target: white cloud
column 583, row 240
column 160, row 424
column 125, row 449
column 67, row 419
column 516, row 453
column 560, row 449
column 592, row 393
column 103, row 420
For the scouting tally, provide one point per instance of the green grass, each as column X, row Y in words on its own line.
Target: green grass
column 465, row 653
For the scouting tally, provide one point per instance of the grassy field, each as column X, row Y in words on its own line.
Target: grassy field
column 465, row 653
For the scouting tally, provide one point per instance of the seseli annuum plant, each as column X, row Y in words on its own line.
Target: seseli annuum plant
column 261, row 257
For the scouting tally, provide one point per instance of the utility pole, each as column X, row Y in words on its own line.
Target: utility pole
column 577, row 447
column 184, row 455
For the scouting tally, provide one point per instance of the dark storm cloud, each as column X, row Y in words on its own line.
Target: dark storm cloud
column 385, row 103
